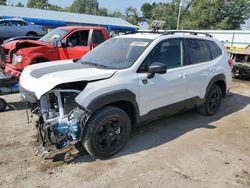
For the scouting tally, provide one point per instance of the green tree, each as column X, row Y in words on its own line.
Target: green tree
column 85, row 6
column 103, row 11
column 3, row 2
column 117, row 14
column 40, row 4
column 165, row 12
column 54, row 7
column 199, row 14
column 203, row 14
column 19, row 4
column 147, row 11
column 233, row 13
column 131, row 15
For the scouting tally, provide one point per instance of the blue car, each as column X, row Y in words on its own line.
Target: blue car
column 18, row 27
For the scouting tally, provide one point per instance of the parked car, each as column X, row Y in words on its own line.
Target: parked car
column 124, row 82
column 241, row 59
column 59, row 44
column 18, row 27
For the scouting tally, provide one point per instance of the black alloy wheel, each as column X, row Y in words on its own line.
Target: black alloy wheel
column 106, row 132
column 109, row 134
column 212, row 101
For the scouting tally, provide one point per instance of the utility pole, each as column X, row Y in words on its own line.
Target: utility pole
column 179, row 15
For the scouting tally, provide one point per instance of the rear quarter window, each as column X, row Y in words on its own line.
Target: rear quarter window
column 98, row 37
column 198, row 51
column 215, row 49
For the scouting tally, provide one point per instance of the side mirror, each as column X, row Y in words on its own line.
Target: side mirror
column 59, row 44
column 56, row 43
column 156, row 68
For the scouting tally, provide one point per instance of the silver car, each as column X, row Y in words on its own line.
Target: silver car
column 18, row 27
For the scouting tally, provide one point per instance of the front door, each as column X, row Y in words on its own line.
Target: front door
column 75, row 45
column 163, row 89
column 5, row 29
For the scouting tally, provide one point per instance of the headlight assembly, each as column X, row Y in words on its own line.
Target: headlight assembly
column 16, row 59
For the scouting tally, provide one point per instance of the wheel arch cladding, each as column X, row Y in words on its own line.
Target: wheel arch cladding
column 219, row 80
column 124, row 99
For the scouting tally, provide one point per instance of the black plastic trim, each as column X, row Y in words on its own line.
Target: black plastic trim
column 115, row 96
column 219, row 77
column 171, row 109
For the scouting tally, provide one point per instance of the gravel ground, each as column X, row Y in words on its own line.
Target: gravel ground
column 185, row 150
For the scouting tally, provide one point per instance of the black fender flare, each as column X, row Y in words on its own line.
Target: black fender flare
column 112, row 97
column 216, row 78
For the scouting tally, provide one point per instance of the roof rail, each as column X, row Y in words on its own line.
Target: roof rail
column 147, row 31
column 190, row 32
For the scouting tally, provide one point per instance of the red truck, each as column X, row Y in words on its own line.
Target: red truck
column 62, row 43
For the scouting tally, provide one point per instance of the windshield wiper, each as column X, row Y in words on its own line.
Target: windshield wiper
column 94, row 64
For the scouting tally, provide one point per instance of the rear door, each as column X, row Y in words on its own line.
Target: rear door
column 17, row 28
column 200, row 67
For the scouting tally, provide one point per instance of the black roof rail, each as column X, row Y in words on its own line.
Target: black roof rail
column 150, row 31
column 190, row 32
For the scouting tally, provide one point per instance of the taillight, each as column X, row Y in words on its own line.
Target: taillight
column 231, row 63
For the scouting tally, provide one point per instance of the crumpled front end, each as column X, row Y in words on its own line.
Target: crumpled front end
column 61, row 122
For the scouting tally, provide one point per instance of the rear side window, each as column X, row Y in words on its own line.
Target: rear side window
column 4, row 23
column 17, row 23
column 98, row 37
column 215, row 49
column 198, row 51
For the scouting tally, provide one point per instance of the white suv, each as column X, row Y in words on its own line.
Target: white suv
column 125, row 81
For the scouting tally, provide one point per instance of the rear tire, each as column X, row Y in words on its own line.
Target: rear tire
column 3, row 105
column 107, row 132
column 212, row 101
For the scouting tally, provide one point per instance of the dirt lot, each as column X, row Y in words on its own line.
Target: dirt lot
column 187, row 150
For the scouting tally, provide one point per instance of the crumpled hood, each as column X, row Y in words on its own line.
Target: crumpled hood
column 43, row 77
column 32, row 43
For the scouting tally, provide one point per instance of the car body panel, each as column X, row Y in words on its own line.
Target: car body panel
column 55, row 73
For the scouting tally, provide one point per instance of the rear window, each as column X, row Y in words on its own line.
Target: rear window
column 198, row 51
column 98, row 37
column 215, row 49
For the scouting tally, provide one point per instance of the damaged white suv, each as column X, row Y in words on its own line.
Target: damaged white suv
column 129, row 79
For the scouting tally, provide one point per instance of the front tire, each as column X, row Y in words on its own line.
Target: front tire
column 107, row 132
column 212, row 101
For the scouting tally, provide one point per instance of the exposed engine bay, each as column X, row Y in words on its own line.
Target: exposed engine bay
column 61, row 122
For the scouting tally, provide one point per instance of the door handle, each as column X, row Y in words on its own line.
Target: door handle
column 52, row 50
column 212, row 69
column 183, row 75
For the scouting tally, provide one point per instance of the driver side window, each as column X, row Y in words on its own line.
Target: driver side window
column 78, row 38
column 168, row 52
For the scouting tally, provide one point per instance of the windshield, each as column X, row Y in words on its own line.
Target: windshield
column 116, row 53
column 54, row 35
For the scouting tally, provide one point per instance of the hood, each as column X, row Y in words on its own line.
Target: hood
column 41, row 78
column 23, row 44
